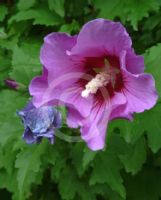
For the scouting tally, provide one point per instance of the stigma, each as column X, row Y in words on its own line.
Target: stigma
column 107, row 75
column 100, row 80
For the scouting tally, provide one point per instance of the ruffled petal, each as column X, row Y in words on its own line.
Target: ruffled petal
column 101, row 37
column 28, row 136
column 60, row 71
column 38, row 86
column 134, row 63
column 39, row 120
column 139, row 91
column 55, row 58
column 74, row 118
column 121, row 112
column 57, row 119
column 93, row 128
column 94, row 132
column 73, row 99
column 54, row 49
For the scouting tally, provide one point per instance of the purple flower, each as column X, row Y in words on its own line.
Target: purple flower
column 97, row 75
column 39, row 122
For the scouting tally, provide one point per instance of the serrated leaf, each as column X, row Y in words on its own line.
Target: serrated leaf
column 88, row 157
column 81, row 157
column 137, row 10
column 109, row 9
column 24, row 5
column 69, row 28
column 57, row 6
column 152, row 124
column 3, row 12
column 8, row 117
column 77, row 157
column 130, row 131
column 134, row 157
column 28, row 163
column 107, row 170
column 132, row 10
column 147, row 122
column 48, row 19
column 25, row 62
column 68, row 187
column 153, row 64
column 5, row 65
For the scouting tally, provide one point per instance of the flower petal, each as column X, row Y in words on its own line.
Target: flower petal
column 134, row 63
column 93, row 129
column 60, row 71
column 121, row 112
column 139, row 91
column 54, row 54
column 74, row 118
column 38, row 86
column 73, row 99
column 28, row 136
column 101, row 37
column 39, row 120
column 57, row 119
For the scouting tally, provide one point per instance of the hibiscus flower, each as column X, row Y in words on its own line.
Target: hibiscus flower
column 96, row 75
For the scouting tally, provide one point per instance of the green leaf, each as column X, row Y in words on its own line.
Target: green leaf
column 132, row 11
column 81, row 157
column 28, row 163
column 57, row 6
column 107, row 170
column 109, row 9
column 147, row 122
column 130, row 131
column 24, row 5
column 3, row 12
column 70, row 28
column 8, row 117
column 4, row 68
column 145, row 185
column 25, row 62
column 68, row 187
column 153, row 64
column 135, row 156
column 137, row 10
column 77, row 156
column 151, row 123
column 48, row 19
column 88, row 157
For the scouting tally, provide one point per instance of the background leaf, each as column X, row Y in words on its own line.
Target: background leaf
column 130, row 166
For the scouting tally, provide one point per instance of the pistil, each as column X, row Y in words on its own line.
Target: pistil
column 108, row 75
column 100, row 80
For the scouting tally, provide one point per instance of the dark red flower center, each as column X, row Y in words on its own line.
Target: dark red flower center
column 107, row 77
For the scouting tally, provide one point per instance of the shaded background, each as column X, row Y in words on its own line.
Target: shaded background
column 130, row 167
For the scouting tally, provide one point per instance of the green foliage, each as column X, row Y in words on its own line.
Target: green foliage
column 130, row 166
column 153, row 63
column 24, row 5
column 48, row 19
column 132, row 10
column 28, row 163
column 57, row 6
column 25, row 62
column 3, row 12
